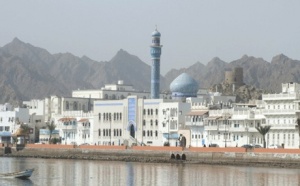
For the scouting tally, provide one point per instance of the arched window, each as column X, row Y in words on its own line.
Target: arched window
column 113, row 96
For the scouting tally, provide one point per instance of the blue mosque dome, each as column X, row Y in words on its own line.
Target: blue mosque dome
column 184, row 86
column 156, row 33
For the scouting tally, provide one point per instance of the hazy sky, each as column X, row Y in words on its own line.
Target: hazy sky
column 195, row 30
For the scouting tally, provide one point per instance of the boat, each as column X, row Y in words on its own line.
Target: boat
column 25, row 174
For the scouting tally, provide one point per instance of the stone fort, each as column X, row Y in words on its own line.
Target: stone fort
column 234, row 76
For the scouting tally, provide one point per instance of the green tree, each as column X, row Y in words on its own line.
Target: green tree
column 263, row 130
column 25, row 129
column 51, row 127
column 298, row 126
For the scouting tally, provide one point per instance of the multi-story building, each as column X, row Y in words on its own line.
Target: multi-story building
column 114, row 92
column 280, row 111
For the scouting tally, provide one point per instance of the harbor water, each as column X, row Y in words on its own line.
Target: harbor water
column 65, row 172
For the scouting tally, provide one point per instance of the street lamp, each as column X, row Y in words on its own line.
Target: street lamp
column 168, row 126
column 110, row 126
column 226, row 121
column 66, row 132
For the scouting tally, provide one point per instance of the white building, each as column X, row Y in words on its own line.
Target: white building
column 234, row 127
column 10, row 120
column 114, row 92
column 281, row 113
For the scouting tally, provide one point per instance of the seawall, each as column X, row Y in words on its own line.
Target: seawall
column 289, row 158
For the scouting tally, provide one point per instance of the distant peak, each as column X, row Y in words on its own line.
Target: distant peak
column 279, row 58
column 245, row 56
column 122, row 52
column 16, row 40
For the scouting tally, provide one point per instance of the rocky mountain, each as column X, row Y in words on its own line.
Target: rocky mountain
column 257, row 72
column 29, row 72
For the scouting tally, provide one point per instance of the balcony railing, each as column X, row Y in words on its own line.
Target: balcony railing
column 278, row 111
column 280, row 96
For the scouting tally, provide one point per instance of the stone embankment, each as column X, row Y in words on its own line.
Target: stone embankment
column 289, row 158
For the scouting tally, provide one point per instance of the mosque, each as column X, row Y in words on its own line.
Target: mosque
column 119, row 115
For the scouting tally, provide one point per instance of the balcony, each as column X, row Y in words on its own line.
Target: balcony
column 197, row 123
column 211, row 128
column 278, row 111
column 283, row 126
column 281, row 96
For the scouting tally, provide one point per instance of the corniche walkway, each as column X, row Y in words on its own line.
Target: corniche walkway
column 238, row 156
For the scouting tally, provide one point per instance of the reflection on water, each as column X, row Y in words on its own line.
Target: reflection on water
column 90, row 173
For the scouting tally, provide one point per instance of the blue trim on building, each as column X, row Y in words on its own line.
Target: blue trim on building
column 108, row 104
column 151, row 103
column 5, row 133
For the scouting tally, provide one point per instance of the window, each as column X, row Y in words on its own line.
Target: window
column 156, row 111
column 99, row 132
column 151, row 111
column 156, row 133
column 144, row 132
column 147, row 132
column 151, row 122
column 144, row 112
column 67, row 105
column 75, row 106
column 120, row 132
column 6, row 128
column 144, row 122
column 99, row 116
column 156, row 122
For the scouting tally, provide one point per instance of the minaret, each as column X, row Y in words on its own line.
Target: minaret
column 155, row 50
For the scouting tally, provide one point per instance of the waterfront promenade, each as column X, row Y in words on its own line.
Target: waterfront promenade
column 202, row 155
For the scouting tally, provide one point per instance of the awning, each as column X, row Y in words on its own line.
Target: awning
column 5, row 134
column 213, row 117
column 66, row 119
column 172, row 136
column 197, row 113
column 83, row 120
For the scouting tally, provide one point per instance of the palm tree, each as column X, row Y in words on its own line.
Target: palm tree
column 51, row 127
column 263, row 131
column 25, row 129
column 298, row 126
